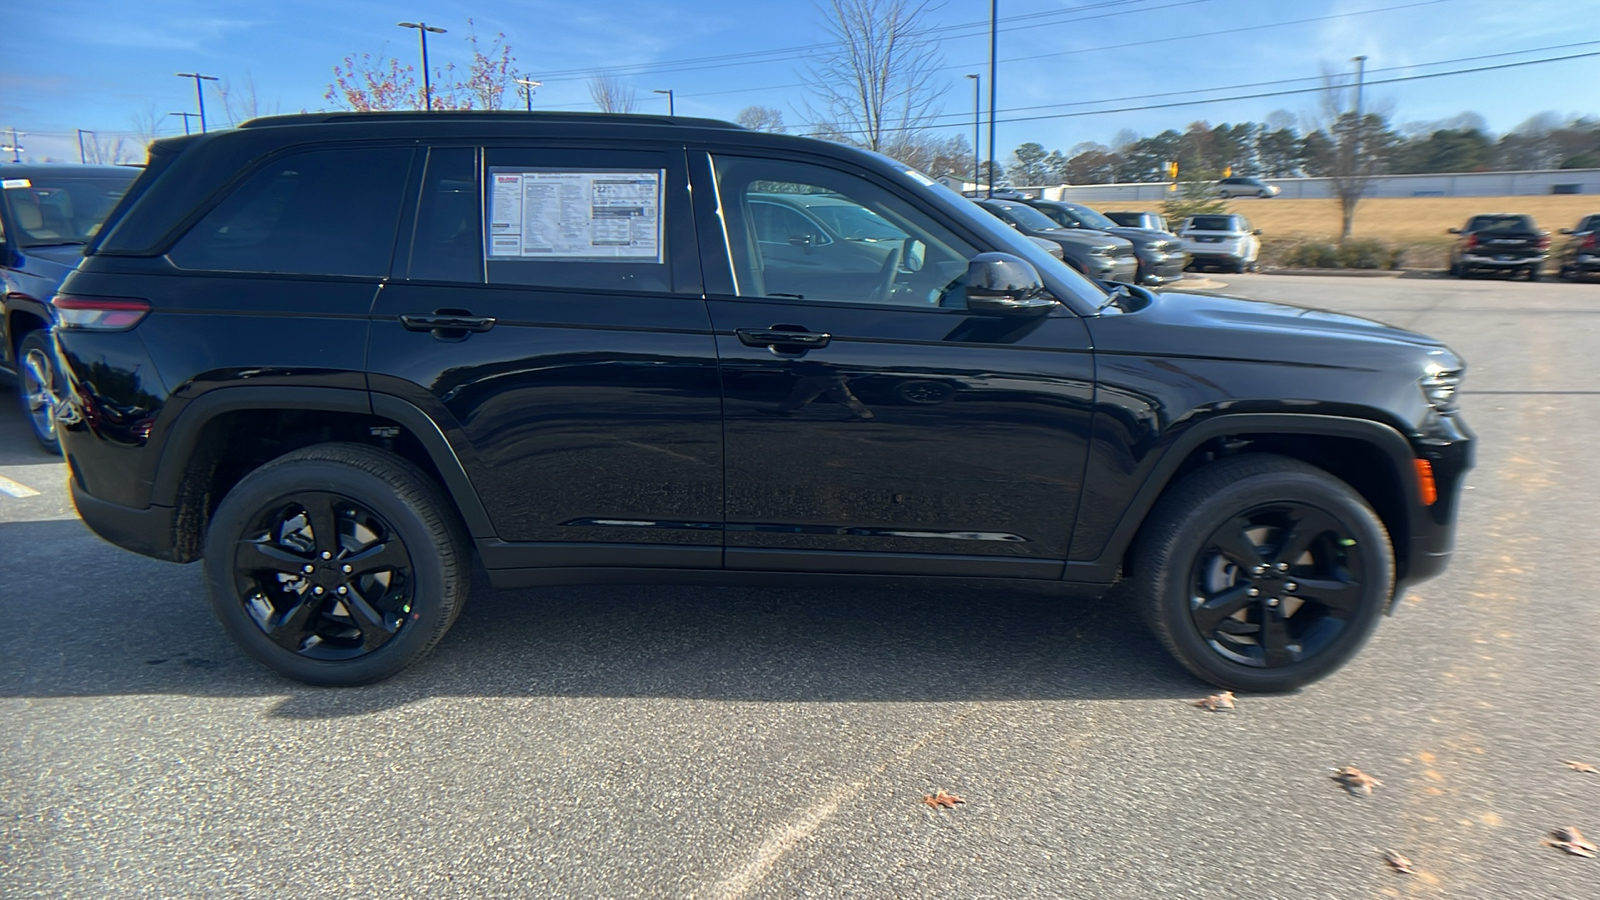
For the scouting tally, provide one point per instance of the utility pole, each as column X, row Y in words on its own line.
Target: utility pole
column 423, row 29
column 1355, row 135
column 186, row 118
column 994, row 47
column 527, row 90
column 672, row 109
column 15, row 148
column 199, row 95
column 82, row 157
column 977, row 121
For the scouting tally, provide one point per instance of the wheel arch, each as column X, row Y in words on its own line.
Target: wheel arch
column 222, row 435
column 1375, row 459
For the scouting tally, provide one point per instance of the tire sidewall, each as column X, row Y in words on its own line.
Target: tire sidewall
column 1171, row 594
column 278, row 482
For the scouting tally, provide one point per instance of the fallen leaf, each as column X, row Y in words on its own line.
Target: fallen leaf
column 1581, row 767
column 940, row 799
column 1572, row 841
column 1355, row 780
column 1397, row 862
column 1215, row 702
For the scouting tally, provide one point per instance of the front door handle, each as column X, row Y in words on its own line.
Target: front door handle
column 781, row 337
column 447, row 321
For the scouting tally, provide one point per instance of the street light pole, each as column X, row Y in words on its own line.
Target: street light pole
column 977, row 119
column 199, row 95
column 672, row 108
column 186, row 118
column 527, row 90
column 15, row 148
column 423, row 28
column 994, row 48
column 1355, row 136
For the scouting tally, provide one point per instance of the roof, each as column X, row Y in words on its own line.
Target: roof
column 497, row 116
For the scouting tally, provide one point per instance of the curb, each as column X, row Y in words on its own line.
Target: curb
column 1359, row 273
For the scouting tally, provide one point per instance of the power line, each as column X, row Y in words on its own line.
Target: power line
column 1254, row 96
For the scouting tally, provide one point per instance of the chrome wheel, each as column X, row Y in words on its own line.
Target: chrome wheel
column 39, row 383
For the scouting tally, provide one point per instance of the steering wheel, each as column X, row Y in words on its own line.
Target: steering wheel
column 888, row 274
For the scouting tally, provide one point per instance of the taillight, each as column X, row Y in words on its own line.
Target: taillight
column 1544, row 242
column 1472, row 241
column 99, row 313
column 1589, row 242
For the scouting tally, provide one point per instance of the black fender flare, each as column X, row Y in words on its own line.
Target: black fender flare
column 191, row 420
column 1384, row 437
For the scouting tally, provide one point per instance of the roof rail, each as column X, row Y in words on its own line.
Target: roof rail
column 481, row 115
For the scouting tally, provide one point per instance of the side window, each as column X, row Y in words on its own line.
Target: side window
column 596, row 219
column 318, row 212
column 807, row 232
column 448, row 242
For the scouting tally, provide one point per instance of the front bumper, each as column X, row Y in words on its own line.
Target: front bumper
column 1120, row 268
column 1449, row 450
column 1162, row 268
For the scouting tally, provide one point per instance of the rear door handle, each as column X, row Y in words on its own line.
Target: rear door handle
column 779, row 337
column 447, row 322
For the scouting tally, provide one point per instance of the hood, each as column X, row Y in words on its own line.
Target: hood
column 1143, row 235
column 1198, row 325
column 1082, row 237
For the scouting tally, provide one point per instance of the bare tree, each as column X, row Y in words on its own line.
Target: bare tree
column 147, row 121
column 876, row 87
column 761, row 118
column 1356, row 144
column 611, row 94
column 241, row 102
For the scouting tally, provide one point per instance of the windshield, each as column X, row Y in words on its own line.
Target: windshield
column 1501, row 223
column 856, row 223
column 1090, row 218
column 1211, row 223
column 1028, row 217
column 62, row 208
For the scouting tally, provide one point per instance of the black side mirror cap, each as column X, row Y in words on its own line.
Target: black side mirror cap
column 1452, row 231
column 1257, row 232
column 1006, row 285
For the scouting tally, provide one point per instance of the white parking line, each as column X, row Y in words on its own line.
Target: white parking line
column 7, row 486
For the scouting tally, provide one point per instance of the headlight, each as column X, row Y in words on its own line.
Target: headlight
column 1101, row 251
column 1440, row 390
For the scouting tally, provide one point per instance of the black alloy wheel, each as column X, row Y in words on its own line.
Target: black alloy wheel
column 1263, row 573
column 336, row 564
column 39, row 383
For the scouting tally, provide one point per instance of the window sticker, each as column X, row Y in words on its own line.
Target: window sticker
column 556, row 215
column 16, row 183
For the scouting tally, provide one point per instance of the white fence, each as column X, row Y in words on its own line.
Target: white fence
column 1452, row 184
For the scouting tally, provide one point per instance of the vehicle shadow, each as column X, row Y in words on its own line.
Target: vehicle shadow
column 79, row 617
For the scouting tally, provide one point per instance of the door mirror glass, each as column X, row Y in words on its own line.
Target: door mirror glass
column 1002, row 284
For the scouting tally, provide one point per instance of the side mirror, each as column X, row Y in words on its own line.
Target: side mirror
column 1005, row 285
column 915, row 255
column 1452, row 231
column 1257, row 232
column 1567, row 231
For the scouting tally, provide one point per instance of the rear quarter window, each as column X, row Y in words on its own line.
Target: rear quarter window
column 318, row 212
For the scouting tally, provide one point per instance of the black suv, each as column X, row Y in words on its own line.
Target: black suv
column 1581, row 254
column 1499, row 242
column 348, row 358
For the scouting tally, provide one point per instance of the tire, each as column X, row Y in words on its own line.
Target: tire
column 1239, row 266
column 389, row 521
column 39, row 387
column 1322, row 608
column 1263, row 194
column 1455, row 270
column 1534, row 274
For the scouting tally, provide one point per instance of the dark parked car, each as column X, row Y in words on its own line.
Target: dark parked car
column 1160, row 254
column 1095, row 254
column 47, row 214
column 1146, row 219
column 347, row 359
column 1499, row 242
column 1580, row 256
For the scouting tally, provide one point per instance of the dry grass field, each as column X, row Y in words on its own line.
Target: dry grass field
column 1418, row 223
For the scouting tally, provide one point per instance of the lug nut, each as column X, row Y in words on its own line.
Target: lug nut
column 1259, row 570
column 1253, row 593
column 342, row 590
column 308, row 568
column 1272, row 601
column 1282, row 567
column 327, row 555
column 348, row 569
column 1291, row 586
column 317, row 589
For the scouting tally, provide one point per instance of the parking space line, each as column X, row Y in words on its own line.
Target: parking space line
column 7, row 486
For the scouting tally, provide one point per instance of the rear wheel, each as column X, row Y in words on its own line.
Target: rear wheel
column 1262, row 573
column 338, row 564
column 1534, row 274
column 39, row 384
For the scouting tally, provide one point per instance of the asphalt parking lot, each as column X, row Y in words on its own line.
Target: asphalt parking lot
column 729, row 743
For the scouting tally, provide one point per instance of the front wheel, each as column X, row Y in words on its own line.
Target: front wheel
column 338, row 564
column 1534, row 274
column 1262, row 573
column 39, row 384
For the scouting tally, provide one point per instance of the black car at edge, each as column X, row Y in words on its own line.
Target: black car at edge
column 348, row 358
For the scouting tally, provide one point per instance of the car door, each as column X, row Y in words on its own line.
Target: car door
column 877, row 426
column 549, row 317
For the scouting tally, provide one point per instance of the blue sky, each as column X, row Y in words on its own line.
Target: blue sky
column 73, row 64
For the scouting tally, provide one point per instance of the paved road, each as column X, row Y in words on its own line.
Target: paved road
column 776, row 743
